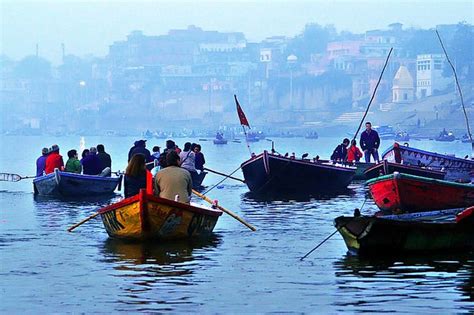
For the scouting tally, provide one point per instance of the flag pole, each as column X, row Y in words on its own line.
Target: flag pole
column 243, row 122
column 247, row 140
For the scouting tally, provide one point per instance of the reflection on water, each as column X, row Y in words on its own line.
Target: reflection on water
column 371, row 281
column 298, row 197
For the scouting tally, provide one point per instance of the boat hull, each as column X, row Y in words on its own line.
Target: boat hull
column 455, row 168
column 146, row 217
column 74, row 185
column 386, row 168
column 424, row 232
column 408, row 193
column 272, row 174
column 220, row 141
column 361, row 168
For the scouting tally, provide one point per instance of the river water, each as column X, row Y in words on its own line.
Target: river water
column 45, row 269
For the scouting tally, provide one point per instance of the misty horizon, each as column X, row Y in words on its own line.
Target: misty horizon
column 75, row 23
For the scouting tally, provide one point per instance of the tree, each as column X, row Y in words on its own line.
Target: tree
column 34, row 68
column 461, row 50
column 313, row 39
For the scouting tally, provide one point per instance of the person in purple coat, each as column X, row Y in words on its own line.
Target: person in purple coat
column 91, row 164
column 370, row 142
column 41, row 162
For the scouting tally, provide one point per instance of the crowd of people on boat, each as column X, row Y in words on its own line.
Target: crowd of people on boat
column 94, row 161
column 169, row 174
column 369, row 143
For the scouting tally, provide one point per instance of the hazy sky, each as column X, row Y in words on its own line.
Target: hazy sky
column 89, row 27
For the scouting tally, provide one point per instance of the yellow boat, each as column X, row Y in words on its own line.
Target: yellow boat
column 145, row 216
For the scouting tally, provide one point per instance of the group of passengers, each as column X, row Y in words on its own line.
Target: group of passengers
column 94, row 161
column 369, row 142
column 169, row 174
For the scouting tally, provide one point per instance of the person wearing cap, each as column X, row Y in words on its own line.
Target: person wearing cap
column 139, row 147
column 54, row 160
column 41, row 162
column 91, row 164
column 73, row 165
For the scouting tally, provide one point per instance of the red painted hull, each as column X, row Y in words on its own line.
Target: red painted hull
column 408, row 193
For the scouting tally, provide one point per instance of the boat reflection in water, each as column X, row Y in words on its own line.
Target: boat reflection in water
column 426, row 278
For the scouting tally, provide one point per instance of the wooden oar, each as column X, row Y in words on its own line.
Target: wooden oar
column 225, row 210
column 83, row 221
column 222, row 174
column 9, row 177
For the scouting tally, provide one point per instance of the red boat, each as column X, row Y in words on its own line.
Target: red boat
column 409, row 193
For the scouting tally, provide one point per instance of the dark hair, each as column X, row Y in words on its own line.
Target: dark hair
column 198, row 146
column 156, row 148
column 85, row 152
column 136, row 166
column 187, row 146
column 71, row 153
column 193, row 146
column 100, row 148
column 353, row 142
column 172, row 158
column 170, row 144
column 368, row 123
column 345, row 141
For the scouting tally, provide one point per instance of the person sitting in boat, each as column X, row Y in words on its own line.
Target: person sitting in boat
column 84, row 153
column 104, row 157
column 140, row 147
column 199, row 160
column 135, row 175
column 340, row 152
column 73, row 165
column 188, row 161
column 41, row 162
column 370, row 142
column 54, row 160
column 91, row 164
column 219, row 136
column 353, row 153
column 173, row 180
column 156, row 153
column 170, row 146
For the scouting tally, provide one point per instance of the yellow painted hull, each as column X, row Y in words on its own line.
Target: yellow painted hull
column 144, row 217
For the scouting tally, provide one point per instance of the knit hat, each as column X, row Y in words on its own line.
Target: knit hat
column 44, row 151
column 54, row 148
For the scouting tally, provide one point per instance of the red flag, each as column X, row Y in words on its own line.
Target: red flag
column 240, row 112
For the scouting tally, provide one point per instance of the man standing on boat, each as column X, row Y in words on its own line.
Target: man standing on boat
column 370, row 142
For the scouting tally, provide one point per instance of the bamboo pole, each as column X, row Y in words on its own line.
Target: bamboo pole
column 83, row 221
column 222, row 174
column 205, row 198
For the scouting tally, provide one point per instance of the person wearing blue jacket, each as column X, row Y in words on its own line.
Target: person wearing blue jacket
column 369, row 143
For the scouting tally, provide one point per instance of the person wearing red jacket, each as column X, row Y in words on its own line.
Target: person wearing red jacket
column 54, row 160
column 353, row 153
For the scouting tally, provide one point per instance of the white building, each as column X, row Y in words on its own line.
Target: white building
column 429, row 75
column 402, row 90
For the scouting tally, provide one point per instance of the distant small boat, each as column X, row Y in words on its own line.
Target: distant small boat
column 74, row 185
column 148, row 217
column 415, row 233
column 402, row 136
column 466, row 139
column 445, row 136
column 409, row 193
column 312, row 135
column 220, row 141
column 385, row 168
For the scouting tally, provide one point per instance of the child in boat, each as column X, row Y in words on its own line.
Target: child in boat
column 353, row 153
column 73, row 165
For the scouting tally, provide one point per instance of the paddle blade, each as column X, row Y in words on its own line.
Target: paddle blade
column 7, row 177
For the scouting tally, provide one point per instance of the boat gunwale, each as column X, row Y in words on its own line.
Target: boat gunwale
column 435, row 154
column 77, row 176
column 403, row 176
column 412, row 167
column 147, row 197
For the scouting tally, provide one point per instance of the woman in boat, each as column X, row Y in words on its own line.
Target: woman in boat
column 73, row 165
column 353, row 153
column 188, row 161
column 173, row 182
column 135, row 175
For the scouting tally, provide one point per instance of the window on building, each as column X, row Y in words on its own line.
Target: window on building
column 405, row 96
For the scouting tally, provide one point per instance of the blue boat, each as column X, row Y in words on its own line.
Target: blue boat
column 456, row 168
column 63, row 184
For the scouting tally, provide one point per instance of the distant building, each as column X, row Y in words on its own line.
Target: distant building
column 403, row 90
column 429, row 75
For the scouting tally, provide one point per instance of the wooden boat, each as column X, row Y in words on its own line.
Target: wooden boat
column 74, row 185
column 220, row 141
column 270, row 173
column 387, row 167
column 445, row 137
column 361, row 168
column 456, row 168
column 402, row 136
column 146, row 217
column 409, row 193
column 436, row 231
column 312, row 135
